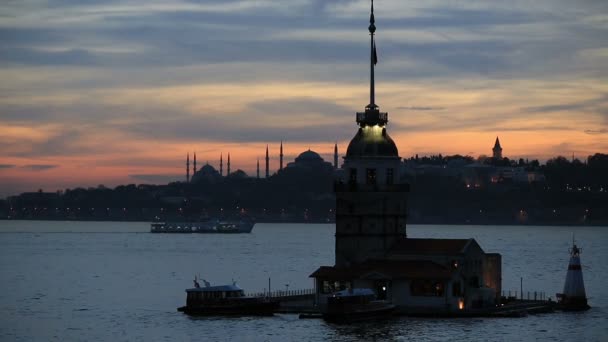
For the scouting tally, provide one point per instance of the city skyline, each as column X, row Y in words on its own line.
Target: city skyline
column 108, row 93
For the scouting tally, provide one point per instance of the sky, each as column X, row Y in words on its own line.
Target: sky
column 117, row 92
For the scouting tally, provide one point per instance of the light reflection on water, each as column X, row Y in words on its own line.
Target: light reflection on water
column 114, row 281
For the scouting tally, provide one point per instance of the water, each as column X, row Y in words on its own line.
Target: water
column 98, row 281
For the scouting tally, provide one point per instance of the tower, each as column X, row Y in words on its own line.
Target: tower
column 188, row 168
column 370, row 201
column 221, row 165
column 336, row 156
column 267, row 163
column 497, row 150
column 228, row 166
column 258, row 169
column 574, row 297
column 281, row 157
column 194, row 170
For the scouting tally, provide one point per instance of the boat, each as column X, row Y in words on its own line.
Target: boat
column 243, row 225
column 226, row 300
column 357, row 304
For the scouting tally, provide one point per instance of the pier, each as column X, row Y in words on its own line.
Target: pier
column 514, row 304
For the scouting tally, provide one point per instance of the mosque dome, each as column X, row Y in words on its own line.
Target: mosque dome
column 309, row 156
column 207, row 172
column 372, row 141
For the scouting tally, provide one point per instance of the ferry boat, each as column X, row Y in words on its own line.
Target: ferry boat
column 358, row 304
column 226, row 300
column 244, row 225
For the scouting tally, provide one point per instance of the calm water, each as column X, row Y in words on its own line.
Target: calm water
column 78, row 281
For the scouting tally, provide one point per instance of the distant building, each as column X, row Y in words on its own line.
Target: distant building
column 309, row 160
column 207, row 173
column 497, row 150
column 372, row 249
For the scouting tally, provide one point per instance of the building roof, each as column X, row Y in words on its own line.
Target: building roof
column 383, row 269
column 431, row 246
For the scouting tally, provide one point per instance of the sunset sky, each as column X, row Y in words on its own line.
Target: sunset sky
column 116, row 92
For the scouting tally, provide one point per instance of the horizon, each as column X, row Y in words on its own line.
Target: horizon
column 108, row 93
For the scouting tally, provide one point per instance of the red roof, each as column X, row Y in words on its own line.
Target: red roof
column 430, row 246
column 382, row 269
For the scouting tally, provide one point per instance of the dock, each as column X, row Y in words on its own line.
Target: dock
column 302, row 302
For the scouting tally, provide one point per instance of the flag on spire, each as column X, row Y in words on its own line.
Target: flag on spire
column 375, row 55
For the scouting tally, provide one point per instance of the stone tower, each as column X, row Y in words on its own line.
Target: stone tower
column 370, row 201
column 497, row 150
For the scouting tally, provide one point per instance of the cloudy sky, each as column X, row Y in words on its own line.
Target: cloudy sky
column 113, row 92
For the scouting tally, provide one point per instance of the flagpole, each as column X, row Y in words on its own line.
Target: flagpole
column 372, row 29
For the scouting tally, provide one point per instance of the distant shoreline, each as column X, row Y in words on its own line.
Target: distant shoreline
column 531, row 224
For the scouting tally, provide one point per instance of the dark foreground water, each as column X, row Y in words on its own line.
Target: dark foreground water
column 83, row 281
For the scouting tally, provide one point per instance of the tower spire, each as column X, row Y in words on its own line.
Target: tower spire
column 194, row 170
column 372, row 115
column 373, row 59
column 336, row 155
column 228, row 169
column 188, row 167
column 281, row 157
column 221, row 164
column 267, row 162
column 258, row 168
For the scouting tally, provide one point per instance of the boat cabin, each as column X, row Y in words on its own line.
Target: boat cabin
column 213, row 293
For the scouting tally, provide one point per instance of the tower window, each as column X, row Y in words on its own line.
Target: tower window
column 371, row 176
column 353, row 176
column 389, row 176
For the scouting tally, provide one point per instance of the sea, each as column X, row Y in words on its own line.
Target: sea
column 113, row 281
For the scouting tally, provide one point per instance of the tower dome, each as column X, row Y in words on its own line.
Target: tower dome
column 372, row 141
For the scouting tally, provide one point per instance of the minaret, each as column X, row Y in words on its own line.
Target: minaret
column 228, row 164
column 221, row 165
column 497, row 150
column 281, row 157
column 370, row 200
column 336, row 155
column 267, row 162
column 258, row 169
column 194, row 170
column 574, row 296
column 188, row 168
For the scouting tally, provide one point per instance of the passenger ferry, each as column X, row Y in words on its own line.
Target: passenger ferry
column 226, row 300
column 244, row 225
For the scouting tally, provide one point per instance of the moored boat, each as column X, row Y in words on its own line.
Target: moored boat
column 353, row 305
column 244, row 225
column 226, row 300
